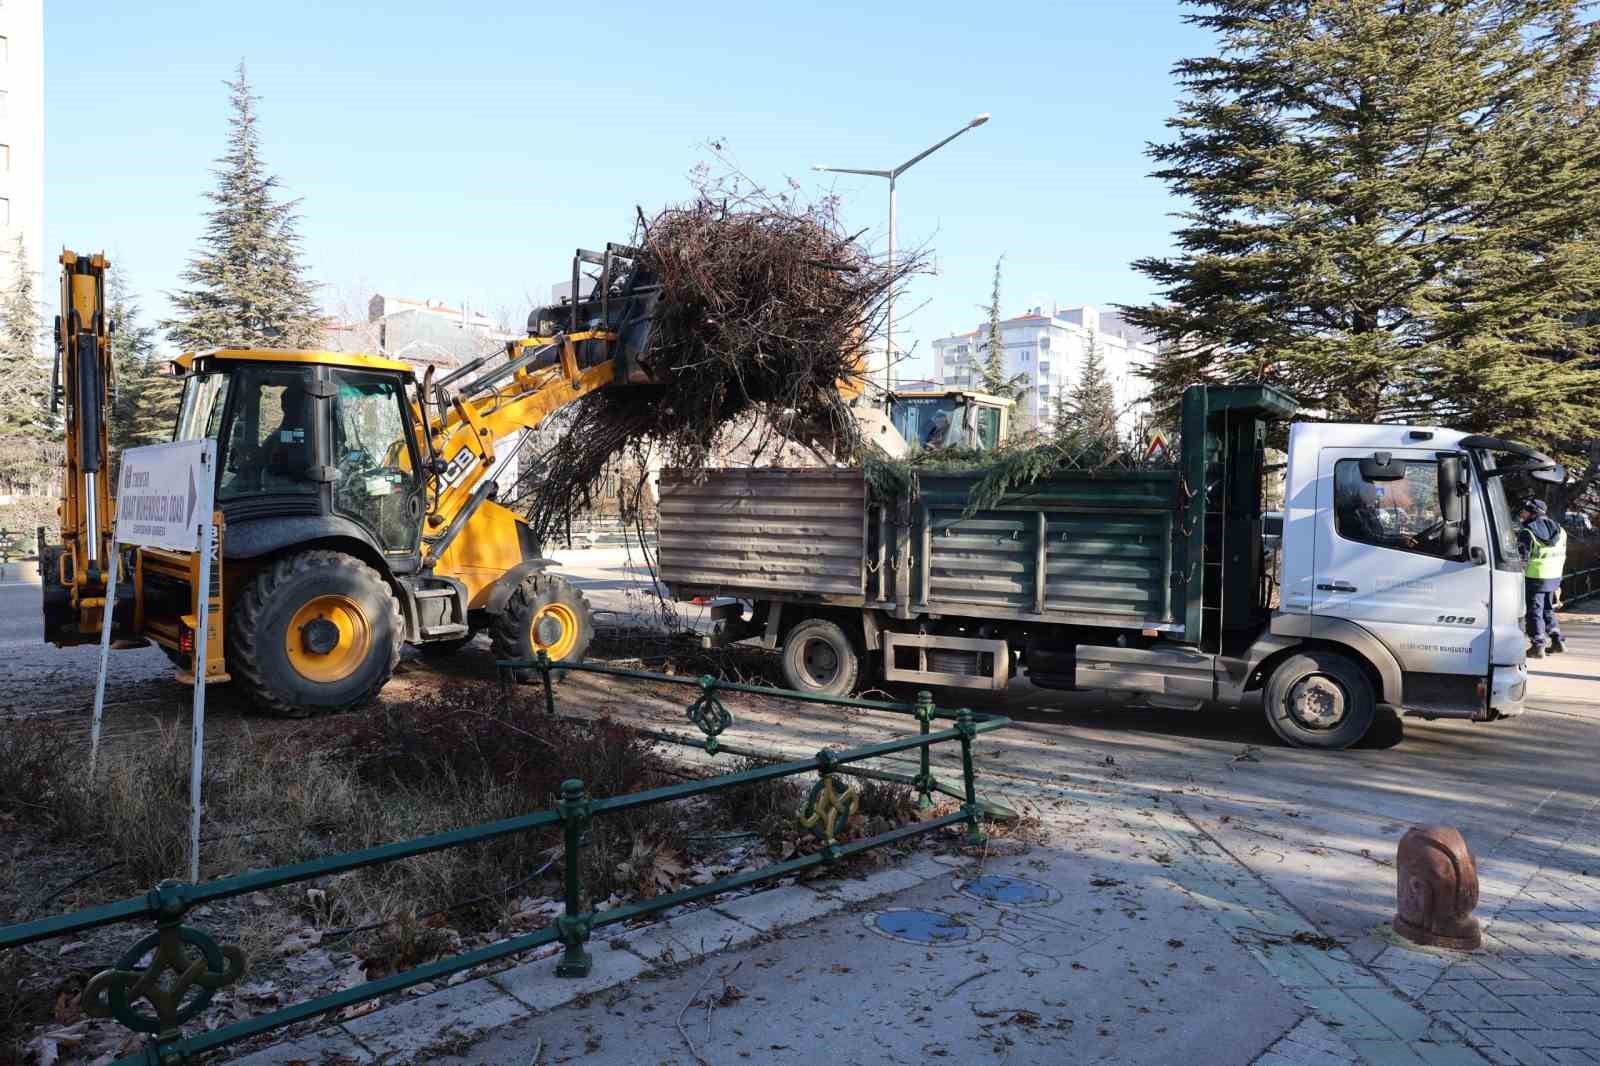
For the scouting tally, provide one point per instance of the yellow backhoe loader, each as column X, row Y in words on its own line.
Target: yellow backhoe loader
column 355, row 502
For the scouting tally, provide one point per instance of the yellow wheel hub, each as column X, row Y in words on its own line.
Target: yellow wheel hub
column 328, row 639
column 554, row 630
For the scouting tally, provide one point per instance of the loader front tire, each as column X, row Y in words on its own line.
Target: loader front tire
column 546, row 613
column 315, row 632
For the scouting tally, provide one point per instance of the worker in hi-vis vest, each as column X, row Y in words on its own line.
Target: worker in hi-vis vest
column 1544, row 548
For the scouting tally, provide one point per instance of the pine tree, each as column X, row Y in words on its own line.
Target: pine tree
column 144, row 400
column 1393, row 213
column 25, row 378
column 247, row 285
column 993, row 372
column 1088, row 413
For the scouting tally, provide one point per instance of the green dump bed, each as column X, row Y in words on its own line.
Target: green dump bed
column 1077, row 549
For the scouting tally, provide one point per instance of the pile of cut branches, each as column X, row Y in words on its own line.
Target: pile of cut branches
column 766, row 305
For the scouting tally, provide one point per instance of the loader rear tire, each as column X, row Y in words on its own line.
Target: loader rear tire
column 315, row 632
column 545, row 612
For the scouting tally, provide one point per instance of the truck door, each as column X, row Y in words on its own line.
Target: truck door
column 1380, row 561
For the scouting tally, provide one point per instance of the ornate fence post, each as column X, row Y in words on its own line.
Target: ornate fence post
column 574, row 924
column 924, row 782
column 965, row 727
column 549, row 689
column 708, row 713
column 176, row 970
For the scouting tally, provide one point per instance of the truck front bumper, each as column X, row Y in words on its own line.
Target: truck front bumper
column 1508, row 688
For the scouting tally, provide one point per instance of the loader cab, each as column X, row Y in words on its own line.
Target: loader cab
column 309, row 444
column 947, row 419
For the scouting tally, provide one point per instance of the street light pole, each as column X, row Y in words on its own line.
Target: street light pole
column 893, row 175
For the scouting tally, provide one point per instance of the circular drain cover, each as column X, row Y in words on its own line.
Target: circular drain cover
column 921, row 927
column 1012, row 891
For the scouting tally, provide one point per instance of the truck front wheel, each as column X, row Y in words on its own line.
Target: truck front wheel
column 1320, row 700
column 819, row 659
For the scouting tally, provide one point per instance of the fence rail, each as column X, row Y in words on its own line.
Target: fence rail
column 177, row 969
column 1580, row 584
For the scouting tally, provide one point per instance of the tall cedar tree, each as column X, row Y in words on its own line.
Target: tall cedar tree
column 993, row 372
column 1088, row 413
column 25, row 378
column 1393, row 216
column 144, row 406
column 247, row 285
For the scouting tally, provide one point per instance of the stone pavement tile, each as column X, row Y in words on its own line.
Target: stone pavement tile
column 1547, row 1011
column 778, row 907
column 536, row 985
column 1556, row 1038
column 897, row 879
column 685, row 937
column 1386, row 1052
column 1440, row 1054
column 1509, row 1019
column 1397, row 1015
column 1312, row 1038
column 1517, row 988
column 1474, row 992
column 1507, row 970
column 1517, row 1045
column 313, row 1048
column 1572, row 1057
column 411, row 1027
column 1565, row 981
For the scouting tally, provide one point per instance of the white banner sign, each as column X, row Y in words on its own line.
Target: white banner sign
column 164, row 494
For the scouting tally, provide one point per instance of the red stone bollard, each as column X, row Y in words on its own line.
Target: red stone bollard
column 1437, row 889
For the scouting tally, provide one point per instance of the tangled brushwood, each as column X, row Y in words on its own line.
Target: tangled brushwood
column 766, row 305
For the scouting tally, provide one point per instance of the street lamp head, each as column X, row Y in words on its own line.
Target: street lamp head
column 818, row 166
column 980, row 120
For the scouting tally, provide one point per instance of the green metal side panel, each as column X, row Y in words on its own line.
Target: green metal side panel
column 1077, row 549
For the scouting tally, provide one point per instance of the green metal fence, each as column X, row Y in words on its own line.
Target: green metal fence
column 168, row 977
column 1580, row 585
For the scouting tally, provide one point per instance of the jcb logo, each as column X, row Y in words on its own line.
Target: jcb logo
column 1456, row 619
column 459, row 466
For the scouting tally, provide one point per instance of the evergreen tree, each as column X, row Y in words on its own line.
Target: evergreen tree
column 144, row 400
column 1088, row 412
column 25, row 378
column 247, row 285
column 1393, row 214
column 993, row 372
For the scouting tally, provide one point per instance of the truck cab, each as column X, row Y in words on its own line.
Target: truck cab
column 1405, row 533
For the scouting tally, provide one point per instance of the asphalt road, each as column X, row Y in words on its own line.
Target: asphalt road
column 1318, row 826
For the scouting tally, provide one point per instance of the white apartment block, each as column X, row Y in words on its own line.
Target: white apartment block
column 1047, row 349
column 22, row 137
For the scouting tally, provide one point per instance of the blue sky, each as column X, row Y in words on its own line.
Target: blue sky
column 461, row 153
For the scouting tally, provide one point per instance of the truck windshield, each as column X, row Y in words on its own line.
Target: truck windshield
column 1503, row 529
column 204, row 398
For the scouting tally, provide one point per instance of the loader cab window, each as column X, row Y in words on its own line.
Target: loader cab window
column 270, row 431
column 1403, row 514
column 375, row 479
column 205, row 397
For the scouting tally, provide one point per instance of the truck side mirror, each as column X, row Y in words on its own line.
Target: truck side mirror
column 1453, row 505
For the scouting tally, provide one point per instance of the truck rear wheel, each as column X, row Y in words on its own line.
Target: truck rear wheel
column 547, row 613
column 820, row 659
column 318, row 631
column 1320, row 700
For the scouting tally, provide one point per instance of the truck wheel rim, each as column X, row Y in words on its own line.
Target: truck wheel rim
column 303, row 640
column 1317, row 702
column 554, row 630
column 820, row 662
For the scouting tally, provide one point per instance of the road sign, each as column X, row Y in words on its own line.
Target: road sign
column 164, row 494
column 1158, row 447
column 164, row 500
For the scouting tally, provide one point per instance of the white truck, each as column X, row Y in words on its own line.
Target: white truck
column 1401, row 586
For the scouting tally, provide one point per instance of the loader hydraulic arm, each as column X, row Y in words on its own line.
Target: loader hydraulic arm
column 80, row 390
column 541, row 377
